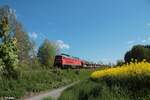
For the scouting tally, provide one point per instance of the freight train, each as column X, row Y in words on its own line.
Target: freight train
column 67, row 61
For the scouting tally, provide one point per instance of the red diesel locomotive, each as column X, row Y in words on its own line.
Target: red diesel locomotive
column 66, row 61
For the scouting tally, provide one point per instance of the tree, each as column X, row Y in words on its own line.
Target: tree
column 120, row 62
column 46, row 53
column 8, row 50
column 6, row 11
column 137, row 53
column 24, row 44
column 128, row 57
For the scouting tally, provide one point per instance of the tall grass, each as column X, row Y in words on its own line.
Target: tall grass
column 92, row 90
column 47, row 98
column 128, row 82
column 34, row 81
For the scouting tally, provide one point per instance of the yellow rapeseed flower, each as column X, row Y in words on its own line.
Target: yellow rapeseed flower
column 129, row 69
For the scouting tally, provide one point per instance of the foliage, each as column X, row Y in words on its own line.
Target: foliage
column 24, row 44
column 138, row 52
column 35, row 80
column 120, row 62
column 8, row 50
column 6, row 11
column 129, row 82
column 46, row 53
column 134, row 78
column 91, row 90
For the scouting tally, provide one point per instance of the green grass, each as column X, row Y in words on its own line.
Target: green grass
column 110, row 88
column 37, row 80
column 47, row 98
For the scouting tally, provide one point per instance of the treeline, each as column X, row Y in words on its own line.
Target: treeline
column 138, row 53
column 17, row 49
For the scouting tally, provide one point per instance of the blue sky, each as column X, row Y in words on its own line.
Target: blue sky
column 90, row 29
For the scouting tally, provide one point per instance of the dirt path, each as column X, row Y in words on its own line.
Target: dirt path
column 54, row 93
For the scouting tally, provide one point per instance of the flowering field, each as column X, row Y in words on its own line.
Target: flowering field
column 132, row 69
column 126, row 82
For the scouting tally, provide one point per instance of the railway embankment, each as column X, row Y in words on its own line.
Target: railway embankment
column 32, row 82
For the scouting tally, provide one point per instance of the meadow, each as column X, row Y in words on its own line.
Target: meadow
column 126, row 82
column 36, row 80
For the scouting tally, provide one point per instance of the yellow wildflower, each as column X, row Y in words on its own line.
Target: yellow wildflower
column 129, row 69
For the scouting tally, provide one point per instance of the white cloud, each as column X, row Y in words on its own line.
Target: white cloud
column 143, row 41
column 33, row 35
column 131, row 42
column 138, row 41
column 62, row 45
